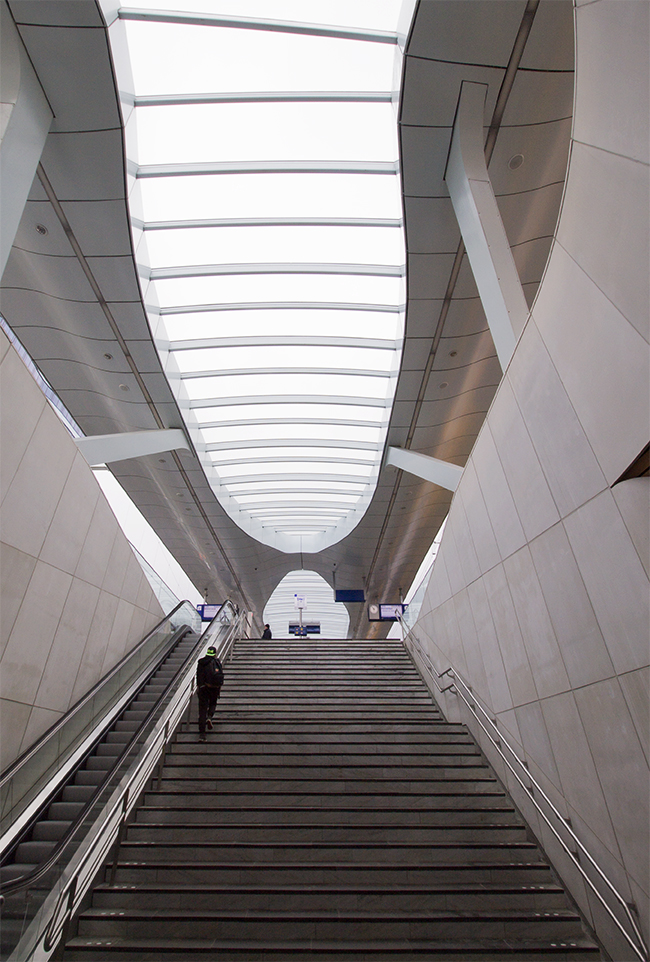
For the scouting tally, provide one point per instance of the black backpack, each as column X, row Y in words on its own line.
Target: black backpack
column 209, row 672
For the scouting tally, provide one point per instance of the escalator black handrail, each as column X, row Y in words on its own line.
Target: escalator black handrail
column 12, row 886
column 48, row 925
column 8, row 887
column 16, row 765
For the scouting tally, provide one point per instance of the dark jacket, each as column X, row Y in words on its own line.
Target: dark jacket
column 266, row 634
column 209, row 672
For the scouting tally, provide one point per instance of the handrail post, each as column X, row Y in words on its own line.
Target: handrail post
column 120, row 837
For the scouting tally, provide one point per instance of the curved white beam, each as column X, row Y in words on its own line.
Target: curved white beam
column 298, row 458
column 242, row 422
column 256, row 372
column 279, row 306
column 284, row 340
column 346, row 400
column 294, row 476
column 266, row 222
column 290, row 443
column 106, row 448
column 232, row 270
column 250, row 23
column 148, row 171
column 265, row 97
column 442, row 473
column 481, row 226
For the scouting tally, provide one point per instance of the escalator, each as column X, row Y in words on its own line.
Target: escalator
column 52, row 795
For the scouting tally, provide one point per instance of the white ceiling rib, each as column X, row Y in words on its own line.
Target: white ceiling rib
column 214, row 270
column 282, row 306
column 265, row 96
column 203, row 168
column 268, row 222
column 250, row 23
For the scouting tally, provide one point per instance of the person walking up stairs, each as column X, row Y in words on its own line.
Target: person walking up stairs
column 332, row 814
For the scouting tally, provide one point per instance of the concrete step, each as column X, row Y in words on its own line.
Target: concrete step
column 263, row 729
column 344, row 853
column 297, row 768
column 330, row 874
column 333, row 751
column 323, row 785
column 332, row 814
column 537, row 898
column 337, row 926
column 256, row 814
column 182, row 950
column 369, row 799
column 196, row 833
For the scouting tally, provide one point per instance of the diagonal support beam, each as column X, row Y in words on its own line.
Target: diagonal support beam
column 442, row 473
column 481, row 226
column 106, row 448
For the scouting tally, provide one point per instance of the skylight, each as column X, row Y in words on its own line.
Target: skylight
column 266, row 216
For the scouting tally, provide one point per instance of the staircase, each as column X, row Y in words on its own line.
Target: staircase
column 332, row 814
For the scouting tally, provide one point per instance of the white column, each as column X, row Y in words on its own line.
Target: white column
column 25, row 119
column 481, row 226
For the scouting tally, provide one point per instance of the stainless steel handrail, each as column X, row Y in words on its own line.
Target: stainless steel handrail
column 16, row 815
column 30, row 878
column 11, row 770
column 50, row 925
column 641, row 950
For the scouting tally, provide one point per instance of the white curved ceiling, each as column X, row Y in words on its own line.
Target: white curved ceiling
column 73, row 298
column 267, row 226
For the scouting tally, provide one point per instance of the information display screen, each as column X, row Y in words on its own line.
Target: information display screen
column 208, row 612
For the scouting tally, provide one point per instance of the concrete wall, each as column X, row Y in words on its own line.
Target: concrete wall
column 539, row 594
column 73, row 595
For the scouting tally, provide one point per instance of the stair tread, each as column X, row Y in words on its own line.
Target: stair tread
column 502, row 945
column 463, row 914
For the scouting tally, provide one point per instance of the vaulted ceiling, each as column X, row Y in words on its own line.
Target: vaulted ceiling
column 74, row 298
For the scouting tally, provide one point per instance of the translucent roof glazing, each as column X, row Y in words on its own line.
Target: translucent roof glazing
column 267, row 221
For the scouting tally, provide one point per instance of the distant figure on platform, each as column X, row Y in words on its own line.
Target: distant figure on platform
column 266, row 634
column 209, row 679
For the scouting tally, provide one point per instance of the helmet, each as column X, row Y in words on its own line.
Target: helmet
column 211, row 651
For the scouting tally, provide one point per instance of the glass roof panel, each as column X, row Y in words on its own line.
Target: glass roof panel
column 304, row 413
column 293, row 452
column 296, row 467
column 260, row 431
column 369, row 14
column 270, row 195
column 283, row 323
column 261, row 382
column 172, row 58
column 278, row 287
column 232, row 386
column 266, row 131
column 284, row 356
column 286, row 489
column 289, row 498
column 244, row 245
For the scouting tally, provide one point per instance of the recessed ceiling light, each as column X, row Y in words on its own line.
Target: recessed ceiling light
column 445, row 384
column 124, row 387
column 453, row 353
column 42, row 230
column 109, row 357
column 516, row 161
column 162, row 461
